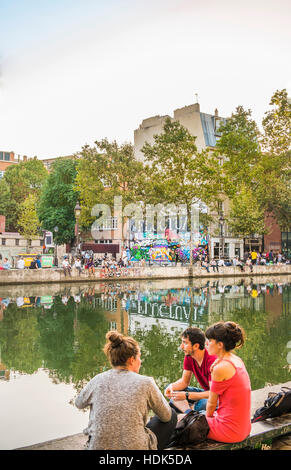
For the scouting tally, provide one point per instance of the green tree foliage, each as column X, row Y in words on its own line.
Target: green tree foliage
column 105, row 171
column 239, row 150
column 276, row 137
column 19, row 339
column 5, row 197
column 257, row 183
column 91, row 327
column 160, row 354
column 56, row 329
column 58, row 199
column 177, row 172
column 28, row 222
column 23, row 179
column 275, row 168
column 245, row 217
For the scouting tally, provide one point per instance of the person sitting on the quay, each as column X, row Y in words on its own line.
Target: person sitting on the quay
column 78, row 265
column 120, row 400
column 213, row 264
column 33, row 264
column 230, row 385
column 197, row 361
column 220, row 263
column 91, row 266
column 237, row 262
column 66, row 266
column 6, row 264
column 249, row 264
column 205, row 264
column 38, row 262
column 20, row 263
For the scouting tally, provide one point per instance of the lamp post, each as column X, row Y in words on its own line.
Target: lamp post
column 77, row 211
column 56, row 263
column 221, row 243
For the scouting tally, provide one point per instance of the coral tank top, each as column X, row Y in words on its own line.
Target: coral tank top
column 231, row 422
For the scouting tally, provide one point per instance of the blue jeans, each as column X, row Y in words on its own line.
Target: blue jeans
column 199, row 405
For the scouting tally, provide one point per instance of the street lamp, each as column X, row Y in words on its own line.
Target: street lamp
column 56, row 229
column 221, row 244
column 77, row 211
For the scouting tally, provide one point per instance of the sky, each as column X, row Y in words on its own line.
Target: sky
column 76, row 71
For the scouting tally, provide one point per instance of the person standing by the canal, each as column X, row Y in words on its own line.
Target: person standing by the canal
column 254, row 256
column 197, row 361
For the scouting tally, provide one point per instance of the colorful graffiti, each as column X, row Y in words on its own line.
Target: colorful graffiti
column 164, row 250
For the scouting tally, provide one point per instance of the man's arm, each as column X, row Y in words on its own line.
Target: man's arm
column 180, row 384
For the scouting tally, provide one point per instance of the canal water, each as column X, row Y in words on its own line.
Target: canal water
column 51, row 340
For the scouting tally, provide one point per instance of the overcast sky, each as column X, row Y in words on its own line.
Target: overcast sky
column 74, row 71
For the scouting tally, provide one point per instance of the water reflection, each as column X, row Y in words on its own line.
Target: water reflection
column 63, row 330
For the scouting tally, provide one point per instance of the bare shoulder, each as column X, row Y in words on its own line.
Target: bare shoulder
column 223, row 370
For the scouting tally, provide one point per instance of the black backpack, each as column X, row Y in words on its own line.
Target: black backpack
column 191, row 429
column 275, row 405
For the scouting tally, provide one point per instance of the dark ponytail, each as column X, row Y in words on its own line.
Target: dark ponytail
column 229, row 333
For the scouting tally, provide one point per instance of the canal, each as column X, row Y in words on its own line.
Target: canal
column 51, row 340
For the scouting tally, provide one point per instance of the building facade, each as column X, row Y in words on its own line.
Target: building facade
column 7, row 159
column 206, row 129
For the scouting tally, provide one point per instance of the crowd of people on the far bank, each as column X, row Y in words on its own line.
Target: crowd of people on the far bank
column 112, row 266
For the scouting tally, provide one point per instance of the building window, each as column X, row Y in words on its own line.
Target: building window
column 3, row 241
column 216, row 250
column 1, row 156
column 7, row 156
column 17, row 242
column 107, row 224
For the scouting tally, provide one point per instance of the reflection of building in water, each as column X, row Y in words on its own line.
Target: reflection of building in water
column 140, row 322
column 115, row 314
column 224, row 303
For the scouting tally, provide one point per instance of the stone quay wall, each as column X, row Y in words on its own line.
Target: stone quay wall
column 56, row 275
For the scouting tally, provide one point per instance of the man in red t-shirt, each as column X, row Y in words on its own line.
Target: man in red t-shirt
column 197, row 361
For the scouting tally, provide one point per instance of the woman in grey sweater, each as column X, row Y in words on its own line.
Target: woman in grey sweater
column 120, row 400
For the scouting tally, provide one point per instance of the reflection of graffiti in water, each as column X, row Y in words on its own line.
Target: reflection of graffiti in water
column 175, row 312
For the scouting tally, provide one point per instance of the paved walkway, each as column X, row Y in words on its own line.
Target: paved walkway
column 78, row 441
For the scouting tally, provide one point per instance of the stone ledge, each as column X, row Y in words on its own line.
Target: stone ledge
column 56, row 275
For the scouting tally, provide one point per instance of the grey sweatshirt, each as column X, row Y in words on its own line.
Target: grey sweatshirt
column 119, row 403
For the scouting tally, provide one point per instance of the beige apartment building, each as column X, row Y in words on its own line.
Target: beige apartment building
column 206, row 129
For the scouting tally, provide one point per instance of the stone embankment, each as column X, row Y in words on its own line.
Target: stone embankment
column 78, row 441
column 56, row 275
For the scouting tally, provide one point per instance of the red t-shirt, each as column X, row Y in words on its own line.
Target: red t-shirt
column 202, row 373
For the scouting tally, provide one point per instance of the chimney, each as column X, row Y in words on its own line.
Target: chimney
column 216, row 112
column 2, row 223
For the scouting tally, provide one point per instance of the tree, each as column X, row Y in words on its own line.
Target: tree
column 23, row 179
column 275, row 168
column 245, row 217
column 5, row 197
column 58, row 199
column 104, row 172
column 239, row 150
column 276, row 138
column 28, row 222
column 177, row 173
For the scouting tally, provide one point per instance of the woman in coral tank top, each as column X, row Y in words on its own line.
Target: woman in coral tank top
column 230, row 385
